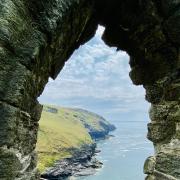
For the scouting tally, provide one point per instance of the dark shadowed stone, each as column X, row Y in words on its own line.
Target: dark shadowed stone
column 172, row 93
column 161, row 131
column 168, row 7
column 172, row 27
column 174, row 114
column 154, row 93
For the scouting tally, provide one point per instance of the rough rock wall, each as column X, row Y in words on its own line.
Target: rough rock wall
column 37, row 37
column 150, row 32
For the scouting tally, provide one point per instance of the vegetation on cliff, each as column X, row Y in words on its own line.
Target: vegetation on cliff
column 63, row 129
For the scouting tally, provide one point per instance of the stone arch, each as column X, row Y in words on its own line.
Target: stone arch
column 37, row 37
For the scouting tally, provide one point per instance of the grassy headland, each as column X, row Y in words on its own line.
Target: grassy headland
column 62, row 129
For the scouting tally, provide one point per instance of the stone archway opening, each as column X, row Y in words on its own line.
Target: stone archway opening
column 96, row 78
column 36, row 38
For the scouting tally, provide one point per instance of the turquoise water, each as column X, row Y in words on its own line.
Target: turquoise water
column 124, row 154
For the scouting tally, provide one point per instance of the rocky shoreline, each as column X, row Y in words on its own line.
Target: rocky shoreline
column 82, row 163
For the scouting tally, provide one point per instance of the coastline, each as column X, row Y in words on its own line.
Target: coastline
column 83, row 162
column 74, row 153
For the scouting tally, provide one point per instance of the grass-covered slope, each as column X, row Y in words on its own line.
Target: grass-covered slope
column 96, row 125
column 62, row 129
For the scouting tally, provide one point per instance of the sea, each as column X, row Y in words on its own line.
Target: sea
column 124, row 153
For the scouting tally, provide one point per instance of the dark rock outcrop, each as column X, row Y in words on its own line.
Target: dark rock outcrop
column 81, row 163
column 37, row 37
column 101, row 133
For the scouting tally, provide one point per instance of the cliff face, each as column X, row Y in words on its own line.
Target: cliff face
column 96, row 125
column 37, row 37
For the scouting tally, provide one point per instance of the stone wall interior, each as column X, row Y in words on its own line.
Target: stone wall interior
column 37, row 37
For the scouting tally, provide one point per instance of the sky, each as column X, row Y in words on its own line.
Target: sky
column 96, row 78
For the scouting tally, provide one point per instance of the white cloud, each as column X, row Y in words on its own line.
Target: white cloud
column 100, row 31
column 97, row 72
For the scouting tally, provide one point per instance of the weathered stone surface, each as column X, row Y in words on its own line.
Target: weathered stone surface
column 162, row 176
column 10, row 163
column 149, row 165
column 154, row 93
column 168, row 164
column 172, row 93
column 37, row 37
column 161, row 131
column 175, row 115
column 172, row 27
column 169, row 112
column 8, row 124
column 169, row 7
column 13, row 164
column 33, row 46
column 159, row 112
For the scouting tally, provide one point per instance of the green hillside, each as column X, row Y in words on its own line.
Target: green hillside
column 62, row 129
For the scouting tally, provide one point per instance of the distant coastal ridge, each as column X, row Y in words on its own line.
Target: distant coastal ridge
column 67, row 141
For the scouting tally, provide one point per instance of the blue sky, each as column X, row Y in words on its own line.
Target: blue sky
column 96, row 77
